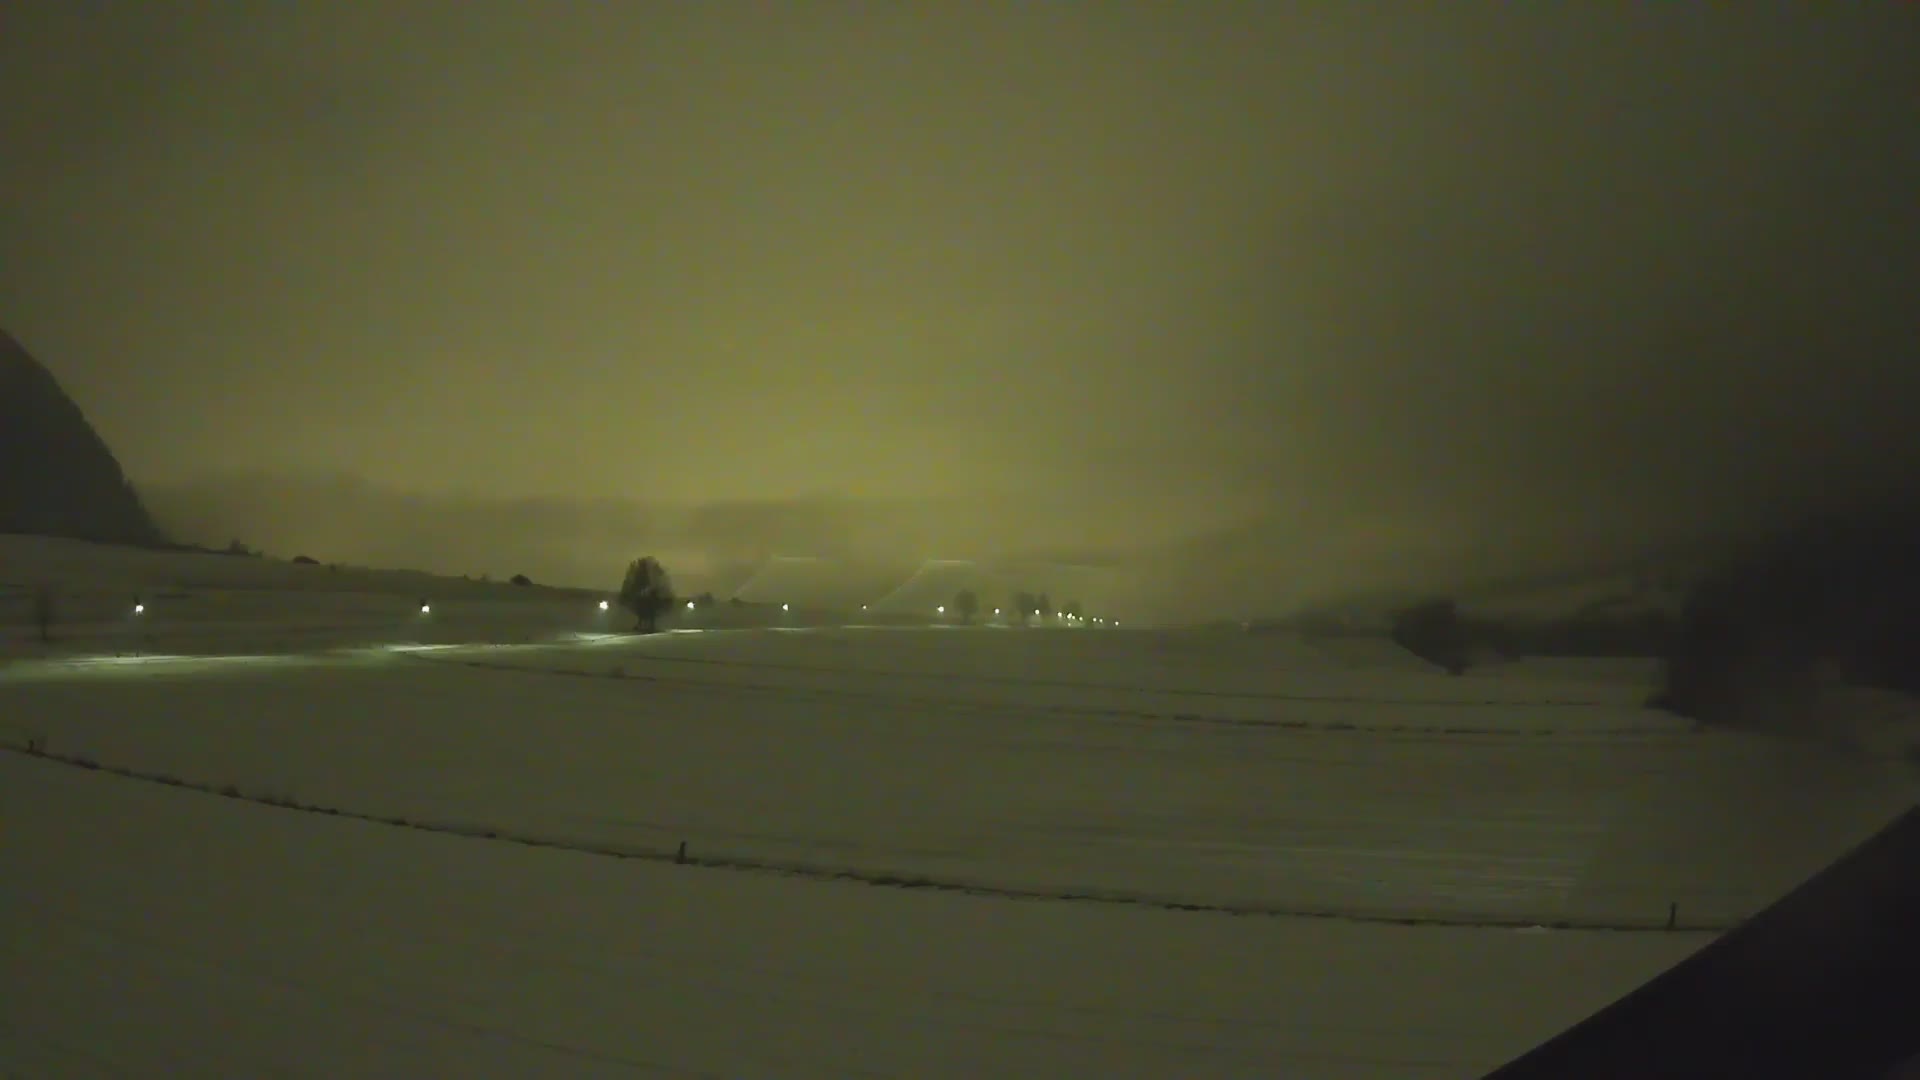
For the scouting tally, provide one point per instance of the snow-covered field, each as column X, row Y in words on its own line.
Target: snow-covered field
column 909, row 852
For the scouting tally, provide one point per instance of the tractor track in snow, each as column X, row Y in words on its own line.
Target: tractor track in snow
column 879, row 877
column 1298, row 725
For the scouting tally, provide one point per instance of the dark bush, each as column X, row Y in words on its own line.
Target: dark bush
column 1645, row 634
column 966, row 604
column 1432, row 630
column 1842, row 592
column 520, row 579
column 1024, row 605
column 305, row 560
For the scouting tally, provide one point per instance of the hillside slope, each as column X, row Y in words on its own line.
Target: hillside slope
column 57, row 476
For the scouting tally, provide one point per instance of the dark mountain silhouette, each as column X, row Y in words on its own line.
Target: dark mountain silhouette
column 57, row 477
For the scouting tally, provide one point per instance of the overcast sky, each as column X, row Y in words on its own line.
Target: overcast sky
column 1167, row 266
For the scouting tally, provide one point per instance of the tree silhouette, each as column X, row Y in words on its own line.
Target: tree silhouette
column 647, row 592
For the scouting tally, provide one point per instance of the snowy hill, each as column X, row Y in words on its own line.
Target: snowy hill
column 510, row 845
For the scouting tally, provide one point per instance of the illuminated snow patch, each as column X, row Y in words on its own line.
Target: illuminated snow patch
column 587, row 635
column 133, row 664
column 124, row 661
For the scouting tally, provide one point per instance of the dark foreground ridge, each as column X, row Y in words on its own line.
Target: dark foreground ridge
column 1821, row 984
column 35, row 747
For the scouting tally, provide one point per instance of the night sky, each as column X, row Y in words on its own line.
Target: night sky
column 972, row 277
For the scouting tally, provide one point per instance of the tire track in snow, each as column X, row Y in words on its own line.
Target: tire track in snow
column 1356, row 727
column 880, row 877
column 1071, row 684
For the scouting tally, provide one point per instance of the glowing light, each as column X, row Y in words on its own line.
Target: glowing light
column 996, row 611
column 689, row 605
column 784, row 607
column 941, row 610
column 139, row 608
column 603, row 605
column 425, row 608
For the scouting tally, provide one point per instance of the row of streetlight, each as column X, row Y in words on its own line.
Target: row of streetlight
column 942, row 610
column 140, row 608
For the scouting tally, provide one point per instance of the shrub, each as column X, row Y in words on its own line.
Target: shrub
column 1842, row 592
column 1432, row 631
column 520, row 579
column 966, row 604
column 1024, row 605
column 305, row 560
